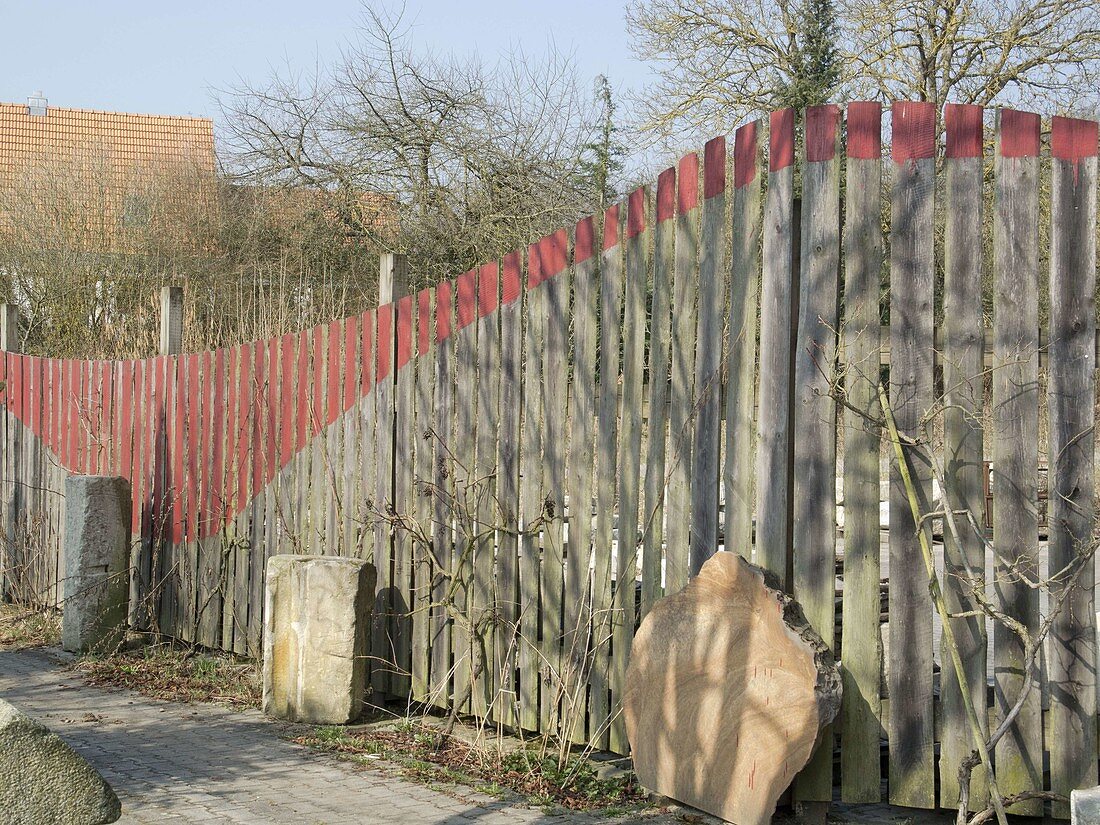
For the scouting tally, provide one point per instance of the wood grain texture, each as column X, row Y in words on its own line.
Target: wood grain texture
column 443, row 481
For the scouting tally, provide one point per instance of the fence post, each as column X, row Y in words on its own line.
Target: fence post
column 9, row 342
column 393, row 277
column 171, row 320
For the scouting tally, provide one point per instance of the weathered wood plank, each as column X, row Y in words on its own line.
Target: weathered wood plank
column 777, row 307
column 607, row 432
column 682, row 386
column 964, row 387
column 261, row 383
column 706, row 442
column 381, row 649
column 422, row 567
column 861, row 710
column 404, row 435
column 1071, row 391
column 912, row 273
column 744, row 299
column 443, row 470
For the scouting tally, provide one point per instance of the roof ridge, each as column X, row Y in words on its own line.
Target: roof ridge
column 52, row 108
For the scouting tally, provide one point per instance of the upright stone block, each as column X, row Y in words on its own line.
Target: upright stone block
column 96, row 585
column 317, row 613
column 1085, row 806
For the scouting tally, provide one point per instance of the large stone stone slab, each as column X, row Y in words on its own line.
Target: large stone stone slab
column 727, row 690
column 45, row 782
column 95, row 589
column 316, row 637
column 1084, row 807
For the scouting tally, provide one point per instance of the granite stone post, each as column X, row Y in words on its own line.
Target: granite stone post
column 317, row 613
column 96, row 551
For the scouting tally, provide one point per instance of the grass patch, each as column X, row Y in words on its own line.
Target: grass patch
column 177, row 674
column 22, row 628
column 520, row 773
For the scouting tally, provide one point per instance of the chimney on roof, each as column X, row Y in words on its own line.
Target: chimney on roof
column 36, row 104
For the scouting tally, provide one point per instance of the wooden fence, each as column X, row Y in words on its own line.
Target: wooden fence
column 500, row 414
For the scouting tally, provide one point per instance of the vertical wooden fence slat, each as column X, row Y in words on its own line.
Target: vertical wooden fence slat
column 465, row 473
column 681, row 412
column 744, row 294
column 1019, row 755
column 508, row 446
column 352, row 381
column 209, row 546
column 442, row 444
column 912, row 271
column 777, row 308
column 193, row 445
column 422, row 568
column 300, row 481
column 861, row 640
column 261, row 393
column 582, row 427
column 170, row 479
column 964, row 388
column 230, row 501
column 367, row 505
column 334, row 460
column 318, row 448
column 814, row 491
column 245, row 492
column 660, row 335
column 1072, row 388
column 610, row 328
column 624, row 610
column 404, row 426
column 381, row 650
column 706, row 442
column 482, row 596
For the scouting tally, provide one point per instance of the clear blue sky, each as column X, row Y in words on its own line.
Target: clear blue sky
column 163, row 57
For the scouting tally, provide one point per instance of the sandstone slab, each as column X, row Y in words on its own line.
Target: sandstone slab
column 317, row 613
column 45, row 782
column 727, row 690
column 1084, row 806
column 96, row 586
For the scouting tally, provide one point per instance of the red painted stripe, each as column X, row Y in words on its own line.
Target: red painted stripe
column 913, row 131
column 261, row 377
column 963, row 127
column 1072, row 138
column 271, row 411
column 366, row 354
column 301, row 391
column 335, row 369
column 351, row 362
column 160, row 460
column 205, row 447
column 72, row 414
column 534, row 266
column 130, row 463
column 745, row 155
column 865, row 130
column 243, row 434
column 317, row 407
column 106, row 433
column 611, row 226
column 128, row 428
column 781, row 140
column 217, row 477
column 666, row 195
column 584, row 240
column 423, row 321
column 1019, row 134
column 194, row 425
column 3, row 380
column 466, row 310
column 555, row 254
column 444, row 295
column 822, row 124
column 178, row 477
column 714, row 167
column 385, row 342
column 488, row 289
column 287, row 358
column 511, row 277
column 687, row 184
column 34, row 386
column 635, row 212
column 80, row 419
column 232, row 433
column 404, row 332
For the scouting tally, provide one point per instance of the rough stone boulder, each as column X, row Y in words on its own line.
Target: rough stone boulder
column 45, row 782
column 727, row 691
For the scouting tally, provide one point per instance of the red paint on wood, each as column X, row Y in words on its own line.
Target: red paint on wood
column 106, row 433
column 443, row 311
column 745, row 154
column 611, row 226
column 534, row 266
column 366, row 355
column 963, row 127
column 217, row 477
column 351, row 362
column 317, row 402
column 781, row 140
column 232, row 433
column 160, row 461
column 423, row 321
column 1072, row 138
column 714, row 167
column 865, row 130
column 335, row 370
column 261, row 377
column 385, row 342
column 194, row 421
column 822, row 123
column 913, row 131
column 488, row 289
column 584, row 240
column 1018, row 134
column 177, row 476
column 635, row 213
column 403, row 353
column 687, row 184
column 271, row 411
column 301, row 391
column 128, row 429
column 666, row 195
column 287, row 353
column 466, row 309
column 245, row 395
column 555, row 254
column 511, row 277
